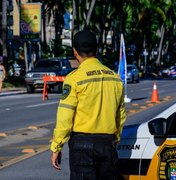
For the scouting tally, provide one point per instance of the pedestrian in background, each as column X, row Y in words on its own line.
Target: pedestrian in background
column 2, row 74
column 91, row 115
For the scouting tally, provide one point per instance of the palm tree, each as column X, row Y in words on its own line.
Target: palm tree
column 82, row 10
column 166, row 11
column 153, row 21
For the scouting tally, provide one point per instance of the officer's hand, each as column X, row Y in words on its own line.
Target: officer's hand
column 55, row 160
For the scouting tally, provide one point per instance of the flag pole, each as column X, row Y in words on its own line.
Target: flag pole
column 122, row 70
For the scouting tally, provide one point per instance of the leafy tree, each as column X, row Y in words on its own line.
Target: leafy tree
column 144, row 23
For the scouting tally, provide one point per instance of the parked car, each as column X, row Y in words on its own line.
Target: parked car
column 51, row 67
column 172, row 72
column 148, row 150
column 164, row 73
column 17, row 70
column 132, row 73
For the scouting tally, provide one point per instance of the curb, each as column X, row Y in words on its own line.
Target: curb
column 12, row 92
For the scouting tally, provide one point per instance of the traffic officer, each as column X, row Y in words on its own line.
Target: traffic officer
column 91, row 115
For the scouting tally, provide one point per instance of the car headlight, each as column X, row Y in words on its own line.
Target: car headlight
column 51, row 74
column 29, row 75
column 129, row 74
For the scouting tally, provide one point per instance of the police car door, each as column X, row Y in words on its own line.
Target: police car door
column 163, row 162
column 148, row 151
column 131, row 148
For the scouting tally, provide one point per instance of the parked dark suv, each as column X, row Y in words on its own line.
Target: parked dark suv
column 52, row 67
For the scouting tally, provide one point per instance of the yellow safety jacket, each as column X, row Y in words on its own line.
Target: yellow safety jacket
column 92, row 102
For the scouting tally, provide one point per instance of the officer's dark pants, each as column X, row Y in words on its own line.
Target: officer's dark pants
column 93, row 157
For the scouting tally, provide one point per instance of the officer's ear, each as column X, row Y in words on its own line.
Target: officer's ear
column 75, row 52
column 77, row 56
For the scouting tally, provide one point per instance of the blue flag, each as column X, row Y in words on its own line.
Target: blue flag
column 122, row 71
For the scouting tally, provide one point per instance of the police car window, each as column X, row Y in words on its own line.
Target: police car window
column 171, row 124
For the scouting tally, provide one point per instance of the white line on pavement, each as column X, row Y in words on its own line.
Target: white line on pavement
column 45, row 104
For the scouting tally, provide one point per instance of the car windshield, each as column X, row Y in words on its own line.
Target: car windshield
column 48, row 64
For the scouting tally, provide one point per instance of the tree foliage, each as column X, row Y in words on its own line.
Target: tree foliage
column 146, row 24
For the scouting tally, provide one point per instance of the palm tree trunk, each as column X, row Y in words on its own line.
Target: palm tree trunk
column 158, row 61
column 90, row 12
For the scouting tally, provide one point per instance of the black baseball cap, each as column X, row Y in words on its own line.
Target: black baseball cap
column 85, row 41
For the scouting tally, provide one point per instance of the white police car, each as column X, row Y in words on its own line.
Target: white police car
column 148, row 151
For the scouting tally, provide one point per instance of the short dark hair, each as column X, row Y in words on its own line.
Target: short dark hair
column 85, row 43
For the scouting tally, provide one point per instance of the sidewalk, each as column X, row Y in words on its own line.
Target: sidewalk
column 12, row 91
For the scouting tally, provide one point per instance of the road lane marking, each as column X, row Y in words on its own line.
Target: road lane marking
column 25, row 128
column 143, row 107
column 32, row 127
column 43, row 104
column 5, row 158
column 150, row 104
column 132, row 111
column 135, row 104
column 28, row 151
column 23, row 157
column 3, row 134
column 33, row 146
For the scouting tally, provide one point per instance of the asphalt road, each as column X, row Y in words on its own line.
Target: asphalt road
column 20, row 111
column 27, row 123
column 38, row 167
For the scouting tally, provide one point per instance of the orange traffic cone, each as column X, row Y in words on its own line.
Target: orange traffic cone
column 155, row 97
column 45, row 92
